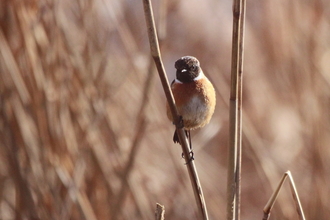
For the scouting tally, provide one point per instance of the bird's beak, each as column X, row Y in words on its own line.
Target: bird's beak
column 183, row 70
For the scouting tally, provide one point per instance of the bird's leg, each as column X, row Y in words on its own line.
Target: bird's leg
column 180, row 125
column 187, row 132
column 191, row 153
column 189, row 138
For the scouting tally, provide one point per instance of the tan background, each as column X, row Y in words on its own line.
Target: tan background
column 83, row 129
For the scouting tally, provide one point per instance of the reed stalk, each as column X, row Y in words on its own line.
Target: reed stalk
column 272, row 200
column 235, row 113
column 155, row 52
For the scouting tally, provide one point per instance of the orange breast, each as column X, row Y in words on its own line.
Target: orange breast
column 195, row 102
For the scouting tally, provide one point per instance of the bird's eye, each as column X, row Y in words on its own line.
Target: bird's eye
column 193, row 67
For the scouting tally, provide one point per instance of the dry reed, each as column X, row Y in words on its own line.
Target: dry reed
column 72, row 74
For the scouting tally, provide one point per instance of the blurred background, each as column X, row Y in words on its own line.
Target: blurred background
column 83, row 129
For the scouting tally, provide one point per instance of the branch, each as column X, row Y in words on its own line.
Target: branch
column 160, row 212
column 294, row 192
column 155, row 52
column 235, row 114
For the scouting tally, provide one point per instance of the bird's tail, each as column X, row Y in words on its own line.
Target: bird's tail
column 176, row 137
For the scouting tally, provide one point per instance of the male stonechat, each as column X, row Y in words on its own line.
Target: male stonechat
column 194, row 95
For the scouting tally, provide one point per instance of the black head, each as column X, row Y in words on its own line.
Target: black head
column 187, row 69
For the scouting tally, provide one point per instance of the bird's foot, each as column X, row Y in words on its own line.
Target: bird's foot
column 191, row 156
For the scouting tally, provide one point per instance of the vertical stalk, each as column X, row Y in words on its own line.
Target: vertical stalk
column 235, row 115
column 155, row 52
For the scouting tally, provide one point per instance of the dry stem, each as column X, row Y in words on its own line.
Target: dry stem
column 160, row 212
column 294, row 192
column 235, row 116
column 155, row 52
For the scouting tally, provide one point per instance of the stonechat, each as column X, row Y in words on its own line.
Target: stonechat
column 194, row 95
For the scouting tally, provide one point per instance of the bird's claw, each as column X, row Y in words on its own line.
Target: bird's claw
column 191, row 156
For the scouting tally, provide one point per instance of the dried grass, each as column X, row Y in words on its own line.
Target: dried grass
column 72, row 78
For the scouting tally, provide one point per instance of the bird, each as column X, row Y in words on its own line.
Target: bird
column 194, row 96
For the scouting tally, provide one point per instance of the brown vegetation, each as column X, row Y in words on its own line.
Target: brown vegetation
column 83, row 128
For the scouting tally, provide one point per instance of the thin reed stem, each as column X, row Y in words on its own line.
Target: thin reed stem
column 272, row 200
column 235, row 116
column 155, row 52
column 160, row 212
